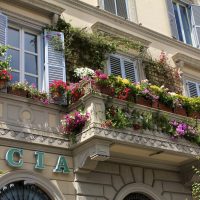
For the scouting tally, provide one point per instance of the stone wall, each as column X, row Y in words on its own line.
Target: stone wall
column 106, row 182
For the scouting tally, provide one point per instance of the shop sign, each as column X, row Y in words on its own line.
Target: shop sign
column 14, row 158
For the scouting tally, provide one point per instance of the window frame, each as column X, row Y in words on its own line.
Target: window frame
column 127, row 10
column 122, row 59
column 22, row 51
column 178, row 4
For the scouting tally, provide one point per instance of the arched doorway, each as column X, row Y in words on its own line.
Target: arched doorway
column 136, row 196
column 20, row 190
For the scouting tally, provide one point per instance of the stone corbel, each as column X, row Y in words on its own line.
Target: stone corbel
column 188, row 174
column 87, row 156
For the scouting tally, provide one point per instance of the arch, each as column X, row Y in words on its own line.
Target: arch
column 32, row 178
column 138, row 188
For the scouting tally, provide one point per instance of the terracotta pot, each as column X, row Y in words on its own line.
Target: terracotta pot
column 18, row 92
column 104, row 89
column 180, row 111
column 56, row 96
column 3, row 84
column 164, row 107
column 155, row 104
column 194, row 115
column 142, row 101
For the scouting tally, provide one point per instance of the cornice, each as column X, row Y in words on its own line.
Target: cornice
column 143, row 31
column 145, row 138
column 186, row 60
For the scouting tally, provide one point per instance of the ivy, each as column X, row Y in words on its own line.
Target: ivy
column 84, row 49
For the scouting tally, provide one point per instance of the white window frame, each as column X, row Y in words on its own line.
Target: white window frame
column 178, row 3
column 127, row 10
column 22, row 51
column 197, row 86
column 122, row 59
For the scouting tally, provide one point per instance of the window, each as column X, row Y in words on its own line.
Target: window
column 24, row 52
column 136, row 196
column 122, row 66
column 183, row 22
column 193, row 89
column 117, row 7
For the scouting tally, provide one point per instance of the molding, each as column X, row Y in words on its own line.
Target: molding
column 139, row 188
column 39, row 137
column 98, row 26
column 185, row 60
column 86, row 157
column 145, row 138
column 86, row 8
column 40, row 5
column 33, row 178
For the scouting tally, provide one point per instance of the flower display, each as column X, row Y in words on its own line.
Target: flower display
column 74, row 122
column 5, row 75
column 84, row 72
column 58, row 86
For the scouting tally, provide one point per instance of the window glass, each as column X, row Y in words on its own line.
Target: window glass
column 186, row 25
column 14, row 61
column 30, row 42
column 15, row 77
column 13, row 37
column 31, row 64
column 178, row 23
column 32, row 80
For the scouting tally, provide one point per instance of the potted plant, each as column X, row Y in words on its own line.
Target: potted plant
column 76, row 92
column 57, row 89
column 5, row 77
column 19, row 89
column 73, row 123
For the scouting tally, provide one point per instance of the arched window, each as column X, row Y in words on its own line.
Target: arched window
column 136, row 196
column 20, row 190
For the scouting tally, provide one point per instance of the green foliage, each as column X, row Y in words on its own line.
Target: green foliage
column 196, row 185
column 4, row 64
column 84, row 49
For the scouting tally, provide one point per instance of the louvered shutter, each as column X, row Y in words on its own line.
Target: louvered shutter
column 3, row 28
column 54, row 59
column 115, row 66
column 122, row 8
column 195, row 11
column 130, row 70
column 172, row 19
column 192, row 89
column 109, row 5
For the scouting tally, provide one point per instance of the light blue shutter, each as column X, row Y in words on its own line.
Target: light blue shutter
column 115, row 66
column 3, row 29
column 131, row 70
column 54, row 59
column 195, row 11
column 192, row 89
column 172, row 19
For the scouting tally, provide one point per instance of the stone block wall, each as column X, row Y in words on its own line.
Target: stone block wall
column 108, row 179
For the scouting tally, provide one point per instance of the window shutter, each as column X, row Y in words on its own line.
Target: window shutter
column 122, row 8
column 195, row 11
column 109, row 5
column 130, row 70
column 115, row 66
column 192, row 89
column 172, row 19
column 54, row 59
column 3, row 28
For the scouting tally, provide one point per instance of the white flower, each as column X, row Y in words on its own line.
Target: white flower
column 83, row 72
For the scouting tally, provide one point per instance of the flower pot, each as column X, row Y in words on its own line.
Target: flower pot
column 3, row 84
column 142, row 101
column 194, row 114
column 18, row 92
column 56, row 96
column 104, row 89
column 180, row 111
column 155, row 104
column 164, row 107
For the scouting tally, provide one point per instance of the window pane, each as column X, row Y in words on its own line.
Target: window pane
column 178, row 22
column 31, row 80
column 186, row 25
column 15, row 77
column 13, row 37
column 30, row 42
column 14, row 62
column 109, row 5
column 121, row 8
column 31, row 64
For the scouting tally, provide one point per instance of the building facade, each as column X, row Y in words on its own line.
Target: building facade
column 37, row 162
